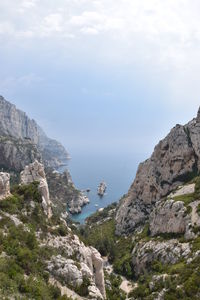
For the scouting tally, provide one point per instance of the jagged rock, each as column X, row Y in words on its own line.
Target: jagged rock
column 15, row 124
column 89, row 258
column 167, row 252
column 168, row 217
column 174, row 159
column 4, row 185
column 77, row 202
column 35, row 172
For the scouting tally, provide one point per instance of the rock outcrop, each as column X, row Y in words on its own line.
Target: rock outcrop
column 86, row 262
column 169, row 217
column 175, row 159
column 35, row 172
column 16, row 124
column 77, row 201
column 4, row 185
column 168, row 252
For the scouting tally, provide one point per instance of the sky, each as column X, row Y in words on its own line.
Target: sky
column 109, row 76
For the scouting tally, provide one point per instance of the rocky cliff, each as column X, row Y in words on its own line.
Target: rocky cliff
column 15, row 153
column 175, row 160
column 16, row 124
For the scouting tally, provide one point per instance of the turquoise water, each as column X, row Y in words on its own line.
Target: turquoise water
column 89, row 170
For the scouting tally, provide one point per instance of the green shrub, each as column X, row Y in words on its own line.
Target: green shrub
column 82, row 290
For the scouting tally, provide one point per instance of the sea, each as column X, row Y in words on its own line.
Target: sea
column 88, row 170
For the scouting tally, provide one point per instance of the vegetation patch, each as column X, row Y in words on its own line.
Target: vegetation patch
column 118, row 249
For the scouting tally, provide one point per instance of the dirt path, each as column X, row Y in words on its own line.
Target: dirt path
column 126, row 285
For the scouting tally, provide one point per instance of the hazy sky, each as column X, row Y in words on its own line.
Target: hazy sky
column 102, row 75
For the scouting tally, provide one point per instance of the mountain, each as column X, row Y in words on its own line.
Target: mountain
column 14, row 123
column 175, row 160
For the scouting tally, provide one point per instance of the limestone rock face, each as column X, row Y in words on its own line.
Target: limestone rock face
column 175, row 158
column 15, row 154
column 168, row 217
column 4, row 185
column 35, row 172
column 167, row 252
column 90, row 263
column 14, row 123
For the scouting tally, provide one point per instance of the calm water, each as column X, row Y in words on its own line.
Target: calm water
column 89, row 170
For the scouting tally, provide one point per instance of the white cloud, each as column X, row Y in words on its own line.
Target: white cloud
column 157, row 34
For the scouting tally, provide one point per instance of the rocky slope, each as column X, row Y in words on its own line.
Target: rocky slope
column 16, row 124
column 36, row 246
column 175, row 160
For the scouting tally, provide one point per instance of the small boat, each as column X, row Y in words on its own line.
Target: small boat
column 101, row 189
column 96, row 205
column 88, row 190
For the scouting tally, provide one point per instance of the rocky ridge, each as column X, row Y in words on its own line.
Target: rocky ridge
column 175, row 159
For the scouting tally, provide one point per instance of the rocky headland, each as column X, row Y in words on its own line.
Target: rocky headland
column 22, row 141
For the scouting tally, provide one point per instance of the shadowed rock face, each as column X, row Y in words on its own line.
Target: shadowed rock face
column 173, row 161
column 4, row 185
